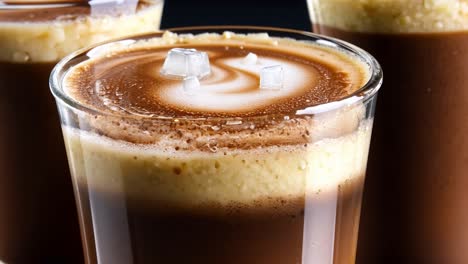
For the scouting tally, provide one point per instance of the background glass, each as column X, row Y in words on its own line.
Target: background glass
column 38, row 220
column 118, row 228
column 415, row 206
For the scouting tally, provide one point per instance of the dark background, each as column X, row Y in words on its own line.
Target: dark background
column 286, row 13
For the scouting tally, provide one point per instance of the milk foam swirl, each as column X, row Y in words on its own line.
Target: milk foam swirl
column 130, row 82
column 234, row 86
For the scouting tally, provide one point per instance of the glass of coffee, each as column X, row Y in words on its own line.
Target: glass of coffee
column 218, row 145
column 38, row 220
column 415, row 206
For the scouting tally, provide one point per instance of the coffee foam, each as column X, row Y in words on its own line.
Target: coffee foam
column 196, row 178
column 214, row 135
column 49, row 39
column 124, row 78
column 175, row 150
column 391, row 16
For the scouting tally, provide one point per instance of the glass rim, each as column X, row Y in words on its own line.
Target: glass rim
column 363, row 94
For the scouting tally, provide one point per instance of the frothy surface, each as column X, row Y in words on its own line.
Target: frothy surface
column 129, row 82
column 47, row 35
column 391, row 16
column 231, row 144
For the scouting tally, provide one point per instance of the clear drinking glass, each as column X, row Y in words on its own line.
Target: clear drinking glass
column 38, row 220
column 180, row 189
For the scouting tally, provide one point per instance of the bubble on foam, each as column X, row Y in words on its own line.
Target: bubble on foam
column 250, row 59
column 227, row 34
column 181, row 63
column 272, row 77
column 191, row 85
column 260, row 36
column 21, row 56
column 234, row 122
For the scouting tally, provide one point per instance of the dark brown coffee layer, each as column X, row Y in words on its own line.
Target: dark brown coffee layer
column 38, row 221
column 270, row 232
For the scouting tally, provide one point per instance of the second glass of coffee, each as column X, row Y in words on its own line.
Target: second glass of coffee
column 218, row 145
column 415, row 208
column 38, row 220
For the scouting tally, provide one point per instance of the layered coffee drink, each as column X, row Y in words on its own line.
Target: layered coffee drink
column 38, row 220
column 218, row 147
column 415, row 204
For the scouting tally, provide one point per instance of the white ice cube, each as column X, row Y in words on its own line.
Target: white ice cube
column 191, row 85
column 272, row 77
column 250, row 59
column 227, row 34
column 181, row 63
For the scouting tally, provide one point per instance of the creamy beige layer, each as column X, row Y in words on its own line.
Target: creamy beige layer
column 391, row 16
column 50, row 41
column 222, row 177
